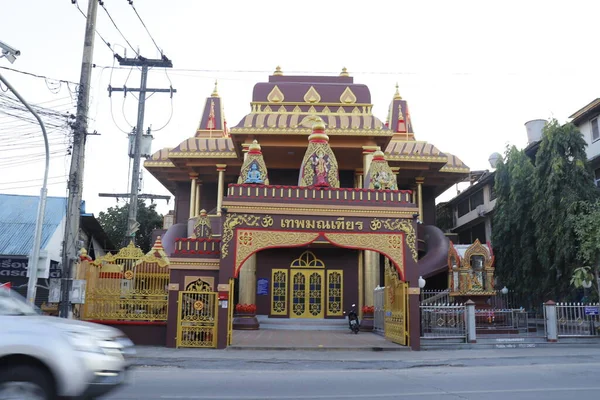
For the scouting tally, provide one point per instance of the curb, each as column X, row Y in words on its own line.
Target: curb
column 322, row 348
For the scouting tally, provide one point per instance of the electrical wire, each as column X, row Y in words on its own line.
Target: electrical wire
column 38, row 76
column 118, row 30
column 147, row 31
column 97, row 33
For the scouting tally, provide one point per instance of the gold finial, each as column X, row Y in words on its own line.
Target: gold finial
column 215, row 93
column 344, row 72
column 318, row 124
column 254, row 146
column 83, row 252
column 397, row 94
column 203, row 213
column 278, row 71
column 378, row 154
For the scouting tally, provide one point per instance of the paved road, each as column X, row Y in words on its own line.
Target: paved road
column 553, row 380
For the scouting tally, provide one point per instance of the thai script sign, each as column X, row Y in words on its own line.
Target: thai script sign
column 17, row 268
column 338, row 224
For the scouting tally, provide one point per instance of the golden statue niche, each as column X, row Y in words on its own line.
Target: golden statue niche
column 470, row 270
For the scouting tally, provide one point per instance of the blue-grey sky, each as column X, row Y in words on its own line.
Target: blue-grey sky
column 473, row 72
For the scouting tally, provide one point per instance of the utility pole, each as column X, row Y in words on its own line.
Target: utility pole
column 75, row 184
column 145, row 64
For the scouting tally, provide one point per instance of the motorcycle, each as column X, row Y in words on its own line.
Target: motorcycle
column 353, row 322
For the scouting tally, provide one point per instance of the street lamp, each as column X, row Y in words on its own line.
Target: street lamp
column 11, row 54
column 504, row 290
column 421, row 282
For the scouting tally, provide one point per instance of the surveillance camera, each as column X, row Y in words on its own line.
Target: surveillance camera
column 9, row 52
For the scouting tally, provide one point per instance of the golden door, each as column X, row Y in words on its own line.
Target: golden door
column 306, row 293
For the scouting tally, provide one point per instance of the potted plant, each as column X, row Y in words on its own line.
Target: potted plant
column 244, row 317
column 367, row 320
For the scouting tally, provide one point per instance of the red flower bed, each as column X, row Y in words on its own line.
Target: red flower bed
column 368, row 309
column 245, row 308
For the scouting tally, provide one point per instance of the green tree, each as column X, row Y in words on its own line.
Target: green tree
column 114, row 222
column 443, row 217
column 513, row 227
column 586, row 222
column 562, row 178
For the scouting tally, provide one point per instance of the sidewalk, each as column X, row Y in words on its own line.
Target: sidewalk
column 161, row 356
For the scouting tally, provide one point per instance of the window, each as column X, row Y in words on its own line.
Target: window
column 476, row 199
column 463, row 208
column 597, row 177
column 595, row 131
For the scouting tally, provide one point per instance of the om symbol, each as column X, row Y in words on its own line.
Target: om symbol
column 245, row 238
column 375, row 225
column 128, row 275
column 267, row 221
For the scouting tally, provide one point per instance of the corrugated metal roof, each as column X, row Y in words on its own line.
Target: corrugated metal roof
column 17, row 222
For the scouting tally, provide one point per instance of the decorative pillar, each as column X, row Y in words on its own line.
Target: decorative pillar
column 247, row 281
column 194, row 178
column 221, row 183
column 471, row 324
column 197, row 202
column 420, row 181
column 371, row 258
column 551, row 321
column 361, row 287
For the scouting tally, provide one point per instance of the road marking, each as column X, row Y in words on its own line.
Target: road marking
column 382, row 396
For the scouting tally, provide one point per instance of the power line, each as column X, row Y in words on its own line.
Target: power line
column 39, row 76
column 140, row 18
column 117, row 28
column 97, row 33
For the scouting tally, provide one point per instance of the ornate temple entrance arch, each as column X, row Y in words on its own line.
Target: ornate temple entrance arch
column 246, row 234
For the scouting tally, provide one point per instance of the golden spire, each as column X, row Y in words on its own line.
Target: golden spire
column 344, row 72
column 397, row 94
column 215, row 93
column 278, row 71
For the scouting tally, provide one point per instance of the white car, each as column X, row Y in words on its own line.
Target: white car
column 46, row 358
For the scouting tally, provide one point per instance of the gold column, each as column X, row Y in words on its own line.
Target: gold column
column 221, row 170
column 371, row 258
column 361, row 289
column 420, row 181
column 197, row 202
column 194, row 178
column 248, row 281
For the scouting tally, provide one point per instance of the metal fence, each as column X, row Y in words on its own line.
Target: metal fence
column 443, row 321
column 577, row 319
column 379, row 314
column 435, row 296
column 511, row 320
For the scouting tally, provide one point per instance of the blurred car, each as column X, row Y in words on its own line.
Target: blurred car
column 44, row 357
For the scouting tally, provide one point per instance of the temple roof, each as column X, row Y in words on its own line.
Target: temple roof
column 204, row 147
column 290, row 104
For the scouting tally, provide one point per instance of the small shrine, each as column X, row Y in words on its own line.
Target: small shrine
column 319, row 167
column 471, row 272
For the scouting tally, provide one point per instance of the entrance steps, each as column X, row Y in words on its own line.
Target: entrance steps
column 302, row 324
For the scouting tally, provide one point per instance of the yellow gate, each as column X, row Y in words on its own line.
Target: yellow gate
column 396, row 302
column 128, row 285
column 197, row 317
column 230, row 311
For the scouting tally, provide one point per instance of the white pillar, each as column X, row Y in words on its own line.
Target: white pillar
column 194, row 178
column 420, row 197
column 221, row 183
column 197, row 199
column 551, row 321
column 470, row 322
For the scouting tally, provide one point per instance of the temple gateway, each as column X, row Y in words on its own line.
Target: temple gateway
column 302, row 209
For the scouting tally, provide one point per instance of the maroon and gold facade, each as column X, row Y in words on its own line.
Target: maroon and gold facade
column 343, row 192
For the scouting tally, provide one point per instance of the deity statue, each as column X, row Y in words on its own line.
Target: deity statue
column 320, row 165
column 253, row 175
